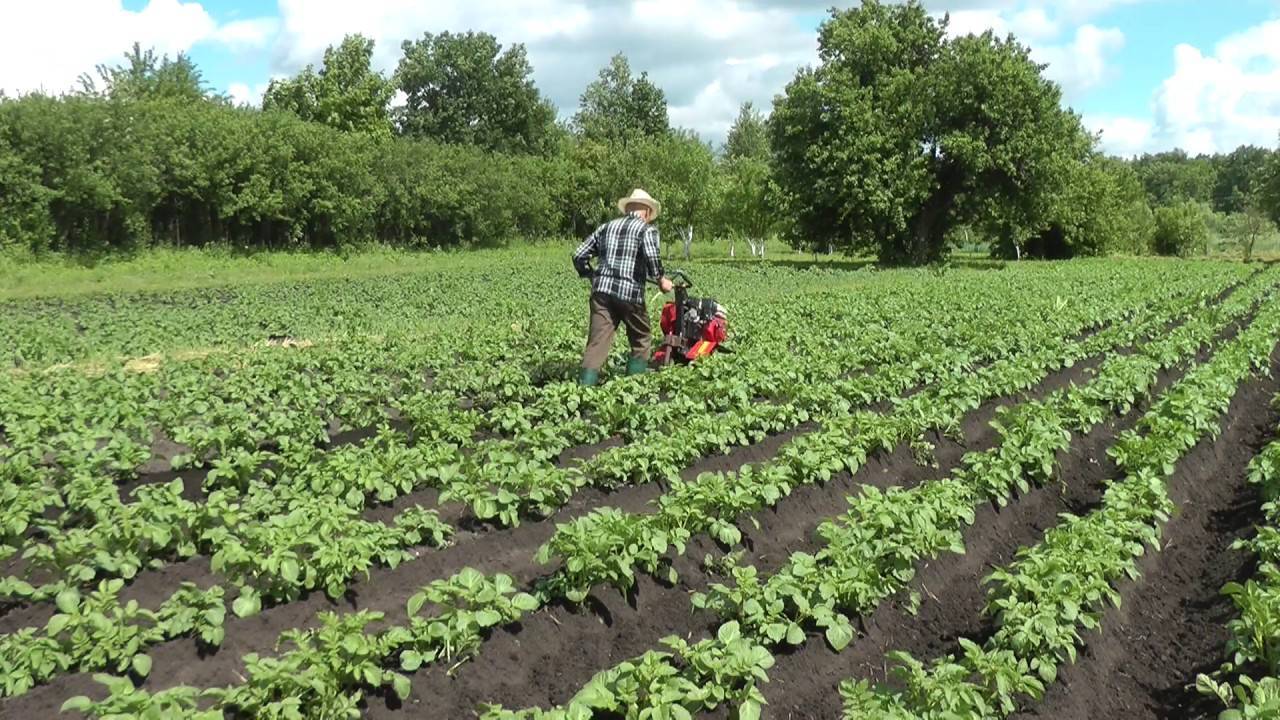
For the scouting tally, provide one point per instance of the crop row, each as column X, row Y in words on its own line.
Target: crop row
column 871, row 552
column 123, row 538
column 738, row 653
column 604, row 546
column 1060, row 587
column 544, row 425
column 282, row 566
column 1248, row 683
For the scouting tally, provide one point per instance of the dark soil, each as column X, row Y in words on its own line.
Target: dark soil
column 804, row 682
column 1171, row 623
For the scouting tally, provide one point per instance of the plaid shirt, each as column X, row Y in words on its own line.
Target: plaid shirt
column 629, row 253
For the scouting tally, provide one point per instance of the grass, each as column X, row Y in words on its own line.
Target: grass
column 181, row 269
column 167, row 269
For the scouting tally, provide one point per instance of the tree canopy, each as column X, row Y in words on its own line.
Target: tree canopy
column 1172, row 177
column 143, row 76
column 346, row 93
column 1238, row 175
column 901, row 133
column 748, row 137
column 463, row 88
column 618, row 108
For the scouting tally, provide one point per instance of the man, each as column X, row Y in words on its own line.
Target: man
column 628, row 253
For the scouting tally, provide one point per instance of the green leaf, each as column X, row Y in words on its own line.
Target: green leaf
column 729, row 632
column 749, row 710
column 79, row 703
column 488, row 618
column 416, row 602
column 524, row 602
column 839, row 636
column 401, row 685
column 289, row 570
column 411, row 660
column 248, row 604
column 57, row 624
column 68, row 600
column 141, row 665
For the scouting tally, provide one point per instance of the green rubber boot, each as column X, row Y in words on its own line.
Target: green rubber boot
column 588, row 378
column 637, row 366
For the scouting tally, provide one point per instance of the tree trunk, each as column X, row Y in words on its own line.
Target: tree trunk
column 688, row 242
column 733, row 251
column 927, row 235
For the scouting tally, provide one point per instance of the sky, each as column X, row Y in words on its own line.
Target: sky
column 1149, row 75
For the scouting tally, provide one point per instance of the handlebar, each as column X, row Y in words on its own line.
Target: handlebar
column 679, row 278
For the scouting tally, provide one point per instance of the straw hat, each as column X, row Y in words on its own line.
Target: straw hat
column 640, row 197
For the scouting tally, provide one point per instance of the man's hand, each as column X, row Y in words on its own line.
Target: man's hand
column 664, row 284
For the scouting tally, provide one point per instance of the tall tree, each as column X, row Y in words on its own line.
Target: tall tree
column 749, row 137
column 1181, row 229
column 346, row 93
column 1102, row 210
column 1237, row 175
column 465, row 89
column 1173, row 177
column 901, row 133
column 617, row 107
column 144, row 76
column 747, row 208
column 1249, row 225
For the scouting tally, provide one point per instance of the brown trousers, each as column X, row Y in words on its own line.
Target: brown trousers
column 607, row 312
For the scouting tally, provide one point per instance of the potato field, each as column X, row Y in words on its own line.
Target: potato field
column 989, row 491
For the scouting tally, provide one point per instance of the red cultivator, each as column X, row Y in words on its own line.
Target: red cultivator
column 692, row 328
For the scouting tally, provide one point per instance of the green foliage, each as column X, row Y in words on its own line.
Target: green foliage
column 748, row 206
column 1102, row 210
column 677, row 168
column 145, row 77
column 901, row 134
column 285, row 511
column 464, row 88
column 1239, row 175
column 749, row 136
column 1180, row 230
column 125, row 700
column 201, row 173
column 686, row 679
column 617, row 108
column 1245, row 227
column 1172, row 178
column 346, row 94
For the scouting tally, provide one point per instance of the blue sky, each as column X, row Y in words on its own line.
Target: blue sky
column 1148, row 74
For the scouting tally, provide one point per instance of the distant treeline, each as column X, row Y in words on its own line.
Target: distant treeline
column 903, row 141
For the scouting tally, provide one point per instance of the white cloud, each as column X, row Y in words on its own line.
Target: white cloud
column 244, row 94
column 47, row 45
column 1082, row 64
column 242, row 35
column 1122, row 136
column 708, row 55
column 1216, row 102
column 1034, row 24
column 1079, row 63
